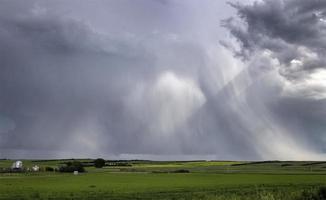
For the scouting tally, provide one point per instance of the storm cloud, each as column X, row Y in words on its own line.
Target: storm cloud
column 120, row 79
column 293, row 32
column 283, row 42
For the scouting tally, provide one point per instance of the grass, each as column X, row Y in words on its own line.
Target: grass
column 207, row 180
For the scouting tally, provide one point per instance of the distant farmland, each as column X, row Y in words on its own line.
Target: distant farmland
column 166, row 180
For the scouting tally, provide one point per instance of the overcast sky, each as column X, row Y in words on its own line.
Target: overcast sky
column 163, row 79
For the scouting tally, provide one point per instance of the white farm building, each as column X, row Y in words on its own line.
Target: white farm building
column 17, row 165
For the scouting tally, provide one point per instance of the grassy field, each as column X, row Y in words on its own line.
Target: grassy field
column 158, row 180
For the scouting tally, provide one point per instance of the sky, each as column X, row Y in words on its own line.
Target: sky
column 163, row 79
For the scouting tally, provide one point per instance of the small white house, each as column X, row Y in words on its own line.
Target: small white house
column 17, row 165
column 75, row 172
column 35, row 168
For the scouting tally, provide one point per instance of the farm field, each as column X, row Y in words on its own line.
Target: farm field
column 161, row 180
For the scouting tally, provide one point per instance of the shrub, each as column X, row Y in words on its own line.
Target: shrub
column 322, row 193
column 72, row 166
column 49, row 169
column 311, row 195
column 181, row 171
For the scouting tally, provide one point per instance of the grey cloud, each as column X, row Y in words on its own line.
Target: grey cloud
column 48, row 66
column 282, row 26
column 65, row 85
column 124, row 82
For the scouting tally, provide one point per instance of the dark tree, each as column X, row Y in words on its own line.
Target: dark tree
column 99, row 163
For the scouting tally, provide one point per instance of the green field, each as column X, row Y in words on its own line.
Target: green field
column 159, row 180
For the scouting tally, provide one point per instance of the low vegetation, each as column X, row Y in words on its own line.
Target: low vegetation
column 220, row 180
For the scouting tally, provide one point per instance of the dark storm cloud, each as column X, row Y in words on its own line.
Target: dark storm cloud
column 291, row 29
column 56, row 75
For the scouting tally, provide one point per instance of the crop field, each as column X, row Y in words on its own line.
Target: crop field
column 167, row 180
